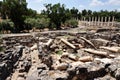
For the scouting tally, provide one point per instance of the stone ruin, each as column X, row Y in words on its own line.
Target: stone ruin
column 61, row 56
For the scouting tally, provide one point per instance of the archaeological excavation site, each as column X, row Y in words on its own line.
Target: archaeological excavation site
column 61, row 55
column 59, row 39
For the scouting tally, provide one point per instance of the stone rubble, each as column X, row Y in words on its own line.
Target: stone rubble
column 60, row 56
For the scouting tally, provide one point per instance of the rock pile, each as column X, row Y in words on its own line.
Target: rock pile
column 61, row 56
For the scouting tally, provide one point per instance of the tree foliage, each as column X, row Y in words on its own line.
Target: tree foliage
column 16, row 16
column 57, row 13
column 15, row 10
column 6, row 25
column 39, row 23
column 74, row 13
column 31, row 13
column 72, row 23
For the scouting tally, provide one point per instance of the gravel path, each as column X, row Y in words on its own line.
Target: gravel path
column 73, row 30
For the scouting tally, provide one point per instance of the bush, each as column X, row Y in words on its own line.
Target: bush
column 71, row 23
column 52, row 26
column 6, row 25
column 29, row 23
column 42, row 23
column 39, row 23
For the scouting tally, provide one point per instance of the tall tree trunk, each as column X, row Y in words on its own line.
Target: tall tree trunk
column 58, row 26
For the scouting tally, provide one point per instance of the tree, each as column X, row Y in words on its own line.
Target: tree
column 39, row 23
column 16, row 11
column 0, row 8
column 3, row 9
column 57, row 14
column 84, row 12
column 89, row 12
column 79, row 15
column 72, row 23
column 95, row 14
column 31, row 13
column 74, row 12
column 6, row 25
column 117, row 16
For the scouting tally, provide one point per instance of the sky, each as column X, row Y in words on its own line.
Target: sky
column 94, row 5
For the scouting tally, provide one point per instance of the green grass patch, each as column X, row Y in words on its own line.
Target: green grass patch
column 59, row 52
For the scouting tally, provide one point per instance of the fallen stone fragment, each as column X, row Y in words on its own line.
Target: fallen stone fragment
column 33, row 76
column 58, row 75
column 66, row 60
column 77, row 71
column 117, row 75
column 100, row 53
column 113, row 49
column 78, row 46
column 22, row 74
column 76, row 64
column 112, row 69
column 65, row 54
column 49, row 42
column 34, row 47
column 112, row 56
column 62, row 66
column 104, row 60
column 48, row 75
column 20, row 78
column 106, row 77
column 73, row 57
column 100, row 42
column 42, row 66
column 69, row 44
column 89, row 42
column 86, row 59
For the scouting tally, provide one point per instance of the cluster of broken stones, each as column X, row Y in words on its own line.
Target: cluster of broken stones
column 61, row 56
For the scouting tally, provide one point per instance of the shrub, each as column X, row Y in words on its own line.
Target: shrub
column 6, row 25
column 42, row 23
column 29, row 23
column 39, row 23
column 52, row 26
column 71, row 23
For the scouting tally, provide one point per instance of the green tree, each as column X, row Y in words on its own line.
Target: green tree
column 31, row 13
column 3, row 9
column 6, row 25
column 16, row 11
column 79, row 15
column 95, row 14
column 74, row 12
column 72, row 23
column 89, row 12
column 57, row 14
column 84, row 12
column 0, row 8
column 38, row 23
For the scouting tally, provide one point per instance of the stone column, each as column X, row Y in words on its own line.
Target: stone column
column 98, row 22
column 102, row 21
column 89, row 20
column 113, row 19
column 105, row 21
column 92, row 21
column 108, row 22
column 84, row 21
column 95, row 21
